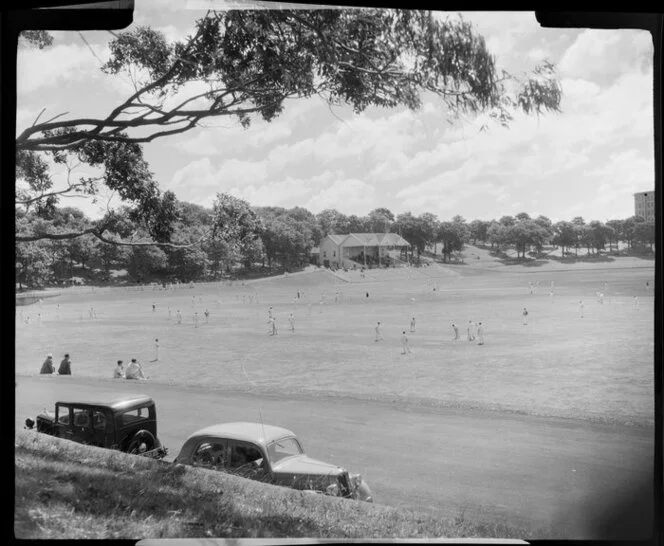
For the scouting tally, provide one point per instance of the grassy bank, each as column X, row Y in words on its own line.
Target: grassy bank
column 66, row 490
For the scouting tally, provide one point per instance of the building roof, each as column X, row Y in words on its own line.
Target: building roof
column 243, row 431
column 337, row 239
column 374, row 239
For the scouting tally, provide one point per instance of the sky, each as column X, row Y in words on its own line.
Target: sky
column 587, row 160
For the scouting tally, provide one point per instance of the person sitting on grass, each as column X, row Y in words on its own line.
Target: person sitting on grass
column 119, row 372
column 134, row 370
column 47, row 366
column 65, row 366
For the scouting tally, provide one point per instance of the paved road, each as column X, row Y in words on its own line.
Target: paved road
column 531, row 472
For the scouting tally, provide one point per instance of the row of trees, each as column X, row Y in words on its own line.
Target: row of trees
column 251, row 237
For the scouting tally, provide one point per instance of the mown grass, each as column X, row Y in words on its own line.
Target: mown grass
column 69, row 491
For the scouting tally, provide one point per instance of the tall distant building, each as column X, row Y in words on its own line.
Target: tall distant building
column 644, row 204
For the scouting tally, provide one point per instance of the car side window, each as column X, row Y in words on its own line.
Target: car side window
column 63, row 415
column 81, row 418
column 135, row 416
column 243, row 455
column 210, row 455
column 98, row 420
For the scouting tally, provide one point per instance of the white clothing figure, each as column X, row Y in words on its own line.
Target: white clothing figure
column 379, row 336
column 404, row 344
column 196, row 319
column 551, row 295
column 524, row 314
column 480, row 333
column 291, row 320
column 273, row 324
column 169, row 312
column 581, row 308
column 456, row 331
column 38, row 318
column 269, row 313
column 207, row 315
column 179, row 315
column 601, row 298
column 532, row 288
column 469, row 330
column 636, row 302
column 412, row 324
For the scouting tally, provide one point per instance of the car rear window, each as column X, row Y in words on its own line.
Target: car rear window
column 135, row 416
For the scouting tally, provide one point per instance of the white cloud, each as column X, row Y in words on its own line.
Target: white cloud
column 349, row 196
column 603, row 54
column 53, row 67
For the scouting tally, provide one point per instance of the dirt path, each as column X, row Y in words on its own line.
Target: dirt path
column 531, row 472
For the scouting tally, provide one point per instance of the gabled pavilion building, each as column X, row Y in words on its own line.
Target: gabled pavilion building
column 364, row 249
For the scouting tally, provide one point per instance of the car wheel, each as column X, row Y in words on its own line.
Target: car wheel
column 141, row 442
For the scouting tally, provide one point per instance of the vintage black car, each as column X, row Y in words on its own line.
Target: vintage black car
column 127, row 423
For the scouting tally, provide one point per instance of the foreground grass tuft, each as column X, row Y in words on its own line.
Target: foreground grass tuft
column 66, row 490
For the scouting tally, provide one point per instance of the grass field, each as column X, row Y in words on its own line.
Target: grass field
column 68, row 491
column 596, row 367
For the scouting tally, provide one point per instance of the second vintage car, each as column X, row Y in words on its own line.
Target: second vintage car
column 269, row 454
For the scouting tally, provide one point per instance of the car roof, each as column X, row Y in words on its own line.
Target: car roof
column 119, row 402
column 244, row 431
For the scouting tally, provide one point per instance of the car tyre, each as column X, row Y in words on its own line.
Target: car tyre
column 141, row 442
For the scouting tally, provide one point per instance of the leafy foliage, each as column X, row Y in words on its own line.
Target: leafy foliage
column 249, row 63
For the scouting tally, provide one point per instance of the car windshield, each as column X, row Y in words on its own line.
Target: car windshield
column 285, row 447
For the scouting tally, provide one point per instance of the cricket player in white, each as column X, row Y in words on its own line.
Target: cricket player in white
column 412, row 324
column 456, row 331
column 581, row 308
column 291, row 321
column 378, row 334
column 480, row 333
column 404, row 343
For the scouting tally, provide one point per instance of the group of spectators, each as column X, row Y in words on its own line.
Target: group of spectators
column 49, row 368
column 133, row 371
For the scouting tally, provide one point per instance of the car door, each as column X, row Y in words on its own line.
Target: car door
column 103, row 426
column 247, row 460
column 81, row 425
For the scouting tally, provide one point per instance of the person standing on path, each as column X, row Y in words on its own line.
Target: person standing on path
column 480, row 333
column 65, row 366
